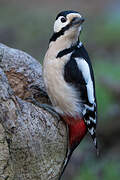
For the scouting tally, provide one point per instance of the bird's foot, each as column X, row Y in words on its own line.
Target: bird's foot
column 39, row 90
column 46, row 107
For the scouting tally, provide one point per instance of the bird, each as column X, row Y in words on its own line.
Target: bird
column 69, row 79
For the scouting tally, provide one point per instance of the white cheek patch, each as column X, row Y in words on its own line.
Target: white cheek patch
column 58, row 25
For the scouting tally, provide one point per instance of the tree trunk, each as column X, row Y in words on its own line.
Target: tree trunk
column 33, row 144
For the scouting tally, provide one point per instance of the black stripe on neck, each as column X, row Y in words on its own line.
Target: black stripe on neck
column 60, row 33
column 67, row 51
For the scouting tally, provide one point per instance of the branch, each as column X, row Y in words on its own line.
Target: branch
column 33, row 144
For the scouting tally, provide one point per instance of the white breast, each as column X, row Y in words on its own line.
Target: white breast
column 63, row 96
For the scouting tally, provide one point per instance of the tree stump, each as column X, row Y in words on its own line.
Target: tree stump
column 33, row 143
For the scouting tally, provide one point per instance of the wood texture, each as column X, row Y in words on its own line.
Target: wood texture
column 33, row 144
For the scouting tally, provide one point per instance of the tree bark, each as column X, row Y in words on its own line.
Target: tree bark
column 33, row 144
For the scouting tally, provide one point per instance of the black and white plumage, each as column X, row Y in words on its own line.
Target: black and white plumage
column 78, row 72
column 68, row 73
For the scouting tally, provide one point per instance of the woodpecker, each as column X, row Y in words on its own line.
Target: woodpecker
column 69, row 78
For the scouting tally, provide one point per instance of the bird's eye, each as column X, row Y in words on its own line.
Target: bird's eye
column 63, row 19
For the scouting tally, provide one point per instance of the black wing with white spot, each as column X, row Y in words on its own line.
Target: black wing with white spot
column 78, row 72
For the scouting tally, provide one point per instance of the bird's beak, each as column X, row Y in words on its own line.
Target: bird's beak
column 77, row 20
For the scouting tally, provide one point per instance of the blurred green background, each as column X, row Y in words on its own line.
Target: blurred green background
column 28, row 25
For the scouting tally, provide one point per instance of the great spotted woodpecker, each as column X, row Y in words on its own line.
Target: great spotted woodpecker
column 69, row 78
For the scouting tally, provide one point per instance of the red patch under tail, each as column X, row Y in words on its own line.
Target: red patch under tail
column 77, row 130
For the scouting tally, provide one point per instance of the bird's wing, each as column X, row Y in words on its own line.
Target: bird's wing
column 78, row 72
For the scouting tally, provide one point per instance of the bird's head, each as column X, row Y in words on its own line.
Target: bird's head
column 68, row 25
